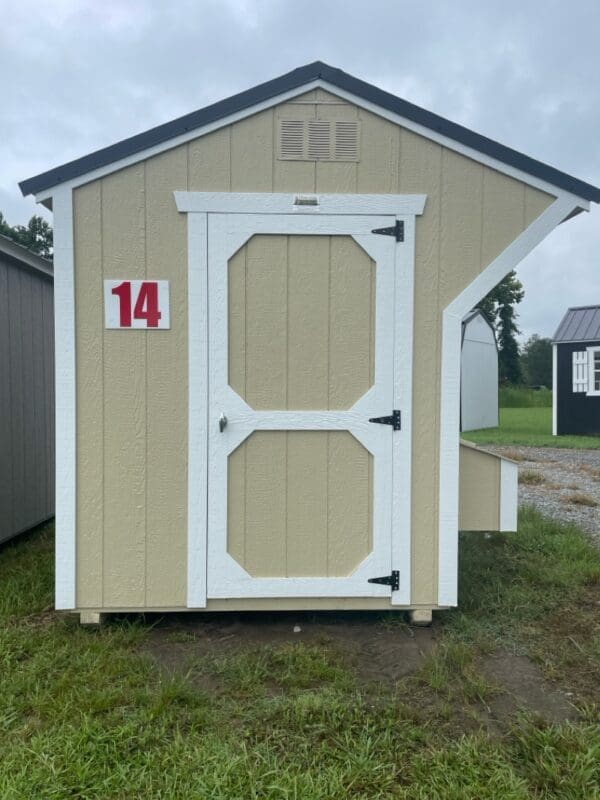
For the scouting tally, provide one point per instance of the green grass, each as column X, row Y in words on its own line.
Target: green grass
column 87, row 714
column 522, row 397
column 530, row 427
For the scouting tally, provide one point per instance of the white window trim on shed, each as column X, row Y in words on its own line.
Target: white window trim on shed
column 60, row 195
column 593, row 370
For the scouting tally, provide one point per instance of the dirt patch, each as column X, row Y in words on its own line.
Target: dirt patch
column 523, row 689
column 380, row 650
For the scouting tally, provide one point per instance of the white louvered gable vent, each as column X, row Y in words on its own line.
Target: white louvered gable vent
column 291, row 139
column 318, row 140
column 346, row 141
column 580, row 371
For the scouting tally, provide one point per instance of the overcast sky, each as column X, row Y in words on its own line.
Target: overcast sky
column 81, row 74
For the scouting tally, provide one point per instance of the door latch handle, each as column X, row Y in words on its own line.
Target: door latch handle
column 222, row 422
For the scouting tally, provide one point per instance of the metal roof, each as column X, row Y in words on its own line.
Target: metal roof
column 581, row 324
column 22, row 257
column 288, row 82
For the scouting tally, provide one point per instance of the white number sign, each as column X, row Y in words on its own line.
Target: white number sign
column 136, row 304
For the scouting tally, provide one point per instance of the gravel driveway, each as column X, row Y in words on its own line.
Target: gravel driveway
column 563, row 484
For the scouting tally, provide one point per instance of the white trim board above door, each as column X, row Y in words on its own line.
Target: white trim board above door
column 239, row 216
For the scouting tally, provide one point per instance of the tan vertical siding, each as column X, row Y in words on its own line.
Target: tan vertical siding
column 480, row 490
column 166, row 390
column 420, row 168
column 91, row 498
column 472, row 213
column 125, row 397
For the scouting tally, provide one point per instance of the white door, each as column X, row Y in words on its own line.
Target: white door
column 301, row 316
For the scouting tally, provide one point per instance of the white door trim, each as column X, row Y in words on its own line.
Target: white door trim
column 558, row 211
column 309, row 204
column 197, row 409
column 404, row 316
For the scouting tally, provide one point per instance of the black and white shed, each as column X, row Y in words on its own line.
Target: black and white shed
column 576, row 373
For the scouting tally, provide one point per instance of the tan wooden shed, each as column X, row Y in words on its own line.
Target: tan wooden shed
column 258, row 329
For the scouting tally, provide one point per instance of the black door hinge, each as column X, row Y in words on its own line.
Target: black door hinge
column 393, row 420
column 392, row 580
column 396, row 230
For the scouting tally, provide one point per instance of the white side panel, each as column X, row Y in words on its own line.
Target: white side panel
column 197, row 410
column 64, row 327
column 509, row 495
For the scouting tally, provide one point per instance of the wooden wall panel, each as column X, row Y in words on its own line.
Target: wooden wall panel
column 89, row 301
column 166, row 387
column 300, row 503
column 125, row 397
column 420, row 170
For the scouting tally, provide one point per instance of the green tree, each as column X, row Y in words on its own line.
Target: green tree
column 499, row 307
column 536, row 359
column 35, row 236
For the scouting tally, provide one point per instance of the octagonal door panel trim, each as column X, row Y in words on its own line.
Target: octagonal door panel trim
column 267, row 511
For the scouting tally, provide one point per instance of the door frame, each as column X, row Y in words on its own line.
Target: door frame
column 198, row 205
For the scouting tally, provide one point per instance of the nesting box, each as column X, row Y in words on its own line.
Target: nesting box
column 259, row 312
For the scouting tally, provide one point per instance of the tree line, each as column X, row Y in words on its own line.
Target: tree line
column 35, row 236
column 529, row 364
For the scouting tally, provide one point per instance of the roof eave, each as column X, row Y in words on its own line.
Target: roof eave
column 289, row 82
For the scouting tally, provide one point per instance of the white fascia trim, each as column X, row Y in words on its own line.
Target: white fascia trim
column 554, row 390
column 509, row 495
column 450, row 385
column 285, row 203
column 64, row 332
column 197, row 409
column 444, row 141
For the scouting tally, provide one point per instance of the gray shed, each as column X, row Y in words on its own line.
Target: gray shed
column 26, row 389
column 478, row 373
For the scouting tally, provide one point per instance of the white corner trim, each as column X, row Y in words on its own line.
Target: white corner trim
column 554, row 390
column 450, row 385
column 421, row 130
column 197, row 410
column 66, row 424
column 285, row 203
column 509, row 495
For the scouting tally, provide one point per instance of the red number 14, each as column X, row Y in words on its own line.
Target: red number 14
column 146, row 305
